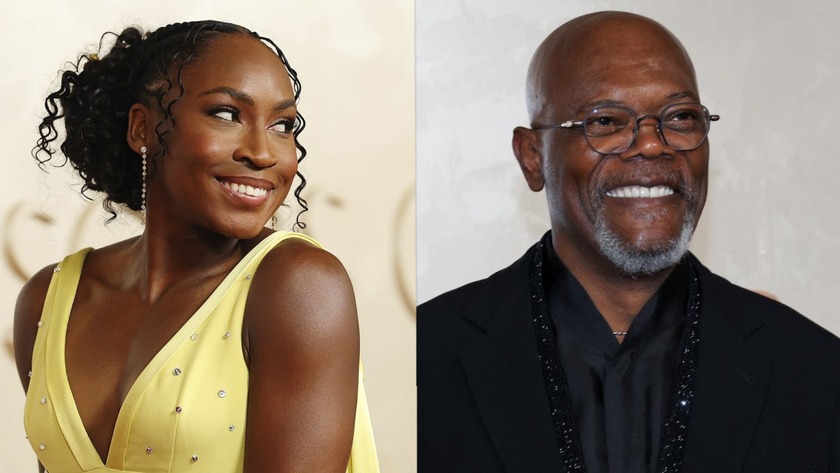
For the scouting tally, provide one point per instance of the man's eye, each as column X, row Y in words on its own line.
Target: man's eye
column 682, row 116
column 603, row 121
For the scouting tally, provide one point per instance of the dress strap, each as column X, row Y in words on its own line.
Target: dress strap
column 363, row 457
column 55, row 317
column 62, row 289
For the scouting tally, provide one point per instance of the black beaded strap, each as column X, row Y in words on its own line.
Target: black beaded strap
column 675, row 431
column 555, row 379
column 672, row 446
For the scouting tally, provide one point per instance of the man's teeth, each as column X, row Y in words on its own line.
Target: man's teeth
column 242, row 188
column 640, row 191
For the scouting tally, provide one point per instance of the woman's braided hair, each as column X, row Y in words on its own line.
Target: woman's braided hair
column 94, row 102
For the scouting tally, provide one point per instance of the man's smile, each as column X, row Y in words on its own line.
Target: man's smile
column 646, row 185
column 634, row 191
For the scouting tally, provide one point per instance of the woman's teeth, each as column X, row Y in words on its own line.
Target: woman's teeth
column 640, row 191
column 243, row 189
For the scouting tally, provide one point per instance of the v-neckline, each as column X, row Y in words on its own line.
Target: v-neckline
column 67, row 412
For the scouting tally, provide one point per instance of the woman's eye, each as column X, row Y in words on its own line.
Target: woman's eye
column 284, row 126
column 225, row 115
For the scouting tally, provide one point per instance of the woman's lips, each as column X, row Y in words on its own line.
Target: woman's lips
column 246, row 194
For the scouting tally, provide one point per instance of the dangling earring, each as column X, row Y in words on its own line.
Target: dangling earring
column 273, row 221
column 143, row 191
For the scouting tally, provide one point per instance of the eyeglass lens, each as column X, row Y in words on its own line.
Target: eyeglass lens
column 612, row 130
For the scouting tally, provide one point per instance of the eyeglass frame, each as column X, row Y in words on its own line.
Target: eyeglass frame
column 569, row 124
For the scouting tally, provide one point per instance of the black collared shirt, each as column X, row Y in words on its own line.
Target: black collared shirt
column 621, row 392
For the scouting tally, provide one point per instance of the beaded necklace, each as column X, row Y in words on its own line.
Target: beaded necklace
column 676, row 427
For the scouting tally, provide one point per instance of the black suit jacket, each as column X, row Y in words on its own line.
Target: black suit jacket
column 766, row 392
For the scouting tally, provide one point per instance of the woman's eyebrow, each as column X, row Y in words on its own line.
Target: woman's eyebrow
column 243, row 97
column 284, row 105
column 235, row 94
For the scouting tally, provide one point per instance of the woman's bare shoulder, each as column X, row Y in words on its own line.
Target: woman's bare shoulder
column 298, row 277
column 302, row 337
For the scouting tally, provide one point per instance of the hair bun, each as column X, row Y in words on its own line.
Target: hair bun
column 129, row 37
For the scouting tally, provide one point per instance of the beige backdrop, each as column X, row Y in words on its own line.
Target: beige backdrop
column 771, row 69
column 356, row 64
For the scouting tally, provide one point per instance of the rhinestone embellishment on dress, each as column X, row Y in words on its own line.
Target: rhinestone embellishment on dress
column 222, row 393
column 227, row 335
column 231, row 427
column 176, row 371
column 40, row 323
column 42, row 446
column 195, row 458
column 178, row 409
column 148, row 449
column 247, row 276
column 43, row 400
column 194, row 337
column 56, row 269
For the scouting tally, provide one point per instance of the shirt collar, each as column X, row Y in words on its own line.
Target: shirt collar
column 571, row 306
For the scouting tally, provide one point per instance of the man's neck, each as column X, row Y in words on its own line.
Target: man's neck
column 617, row 296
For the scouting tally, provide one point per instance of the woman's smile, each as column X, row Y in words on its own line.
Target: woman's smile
column 246, row 190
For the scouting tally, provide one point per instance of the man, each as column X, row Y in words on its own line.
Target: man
column 608, row 347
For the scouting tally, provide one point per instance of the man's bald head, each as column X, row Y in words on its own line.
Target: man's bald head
column 557, row 76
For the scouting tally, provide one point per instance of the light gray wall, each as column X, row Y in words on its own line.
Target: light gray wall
column 770, row 69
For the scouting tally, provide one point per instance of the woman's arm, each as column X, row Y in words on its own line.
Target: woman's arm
column 302, row 342
column 30, row 304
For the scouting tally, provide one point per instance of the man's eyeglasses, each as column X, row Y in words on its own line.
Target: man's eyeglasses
column 613, row 130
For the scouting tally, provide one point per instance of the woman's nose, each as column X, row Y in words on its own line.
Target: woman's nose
column 256, row 148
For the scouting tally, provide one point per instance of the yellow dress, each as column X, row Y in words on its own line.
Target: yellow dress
column 186, row 412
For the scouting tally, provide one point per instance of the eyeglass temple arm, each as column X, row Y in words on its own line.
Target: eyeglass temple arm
column 714, row 118
column 566, row 124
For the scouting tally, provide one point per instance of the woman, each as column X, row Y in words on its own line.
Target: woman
column 208, row 343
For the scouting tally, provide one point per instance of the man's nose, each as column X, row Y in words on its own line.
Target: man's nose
column 649, row 143
column 255, row 147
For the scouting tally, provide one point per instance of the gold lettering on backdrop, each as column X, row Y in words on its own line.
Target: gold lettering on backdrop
column 11, row 256
column 315, row 195
column 9, row 224
column 403, row 225
column 401, row 236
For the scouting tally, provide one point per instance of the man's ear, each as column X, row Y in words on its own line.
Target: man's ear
column 529, row 157
column 139, row 119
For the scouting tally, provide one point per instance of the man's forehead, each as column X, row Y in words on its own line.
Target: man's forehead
column 604, row 53
column 622, row 83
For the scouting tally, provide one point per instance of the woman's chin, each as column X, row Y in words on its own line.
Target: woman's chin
column 243, row 231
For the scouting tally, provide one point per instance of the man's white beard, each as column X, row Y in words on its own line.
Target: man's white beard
column 634, row 261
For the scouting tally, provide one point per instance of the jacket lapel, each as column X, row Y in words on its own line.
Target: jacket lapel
column 504, row 374
column 733, row 373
